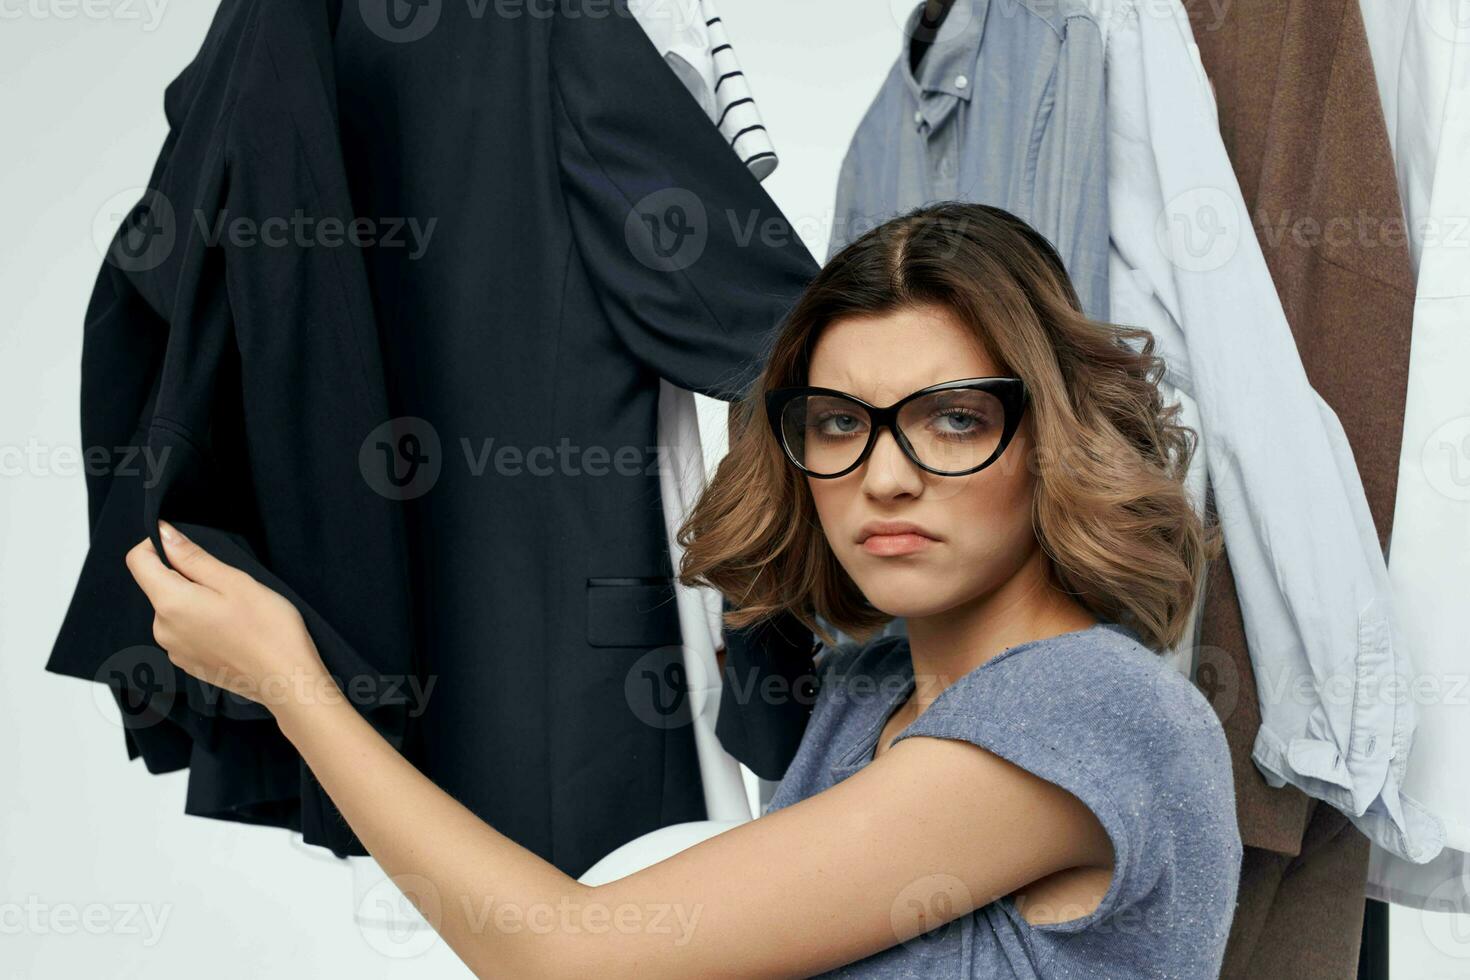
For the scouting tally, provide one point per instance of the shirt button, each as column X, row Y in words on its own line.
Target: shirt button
column 961, row 81
column 918, row 118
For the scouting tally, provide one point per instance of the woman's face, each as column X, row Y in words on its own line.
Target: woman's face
column 975, row 531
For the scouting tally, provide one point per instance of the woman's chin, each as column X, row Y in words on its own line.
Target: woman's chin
column 911, row 602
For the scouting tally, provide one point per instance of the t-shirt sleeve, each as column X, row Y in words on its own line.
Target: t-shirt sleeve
column 1124, row 738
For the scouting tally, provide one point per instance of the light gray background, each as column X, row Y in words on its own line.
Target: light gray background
column 100, row 872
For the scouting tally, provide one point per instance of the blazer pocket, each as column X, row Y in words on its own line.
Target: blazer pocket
column 632, row 612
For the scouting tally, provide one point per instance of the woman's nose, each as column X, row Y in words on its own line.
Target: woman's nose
column 888, row 471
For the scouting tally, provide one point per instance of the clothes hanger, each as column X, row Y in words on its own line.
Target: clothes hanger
column 927, row 30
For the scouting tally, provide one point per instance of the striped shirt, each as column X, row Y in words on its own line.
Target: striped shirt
column 690, row 36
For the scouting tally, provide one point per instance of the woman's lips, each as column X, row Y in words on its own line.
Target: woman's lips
column 896, row 544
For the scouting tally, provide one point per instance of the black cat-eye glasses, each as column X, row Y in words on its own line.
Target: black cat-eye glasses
column 952, row 429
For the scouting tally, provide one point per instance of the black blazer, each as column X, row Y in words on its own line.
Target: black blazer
column 226, row 385
column 441, row 446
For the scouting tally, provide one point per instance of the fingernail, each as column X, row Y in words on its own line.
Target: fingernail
column 168, row 532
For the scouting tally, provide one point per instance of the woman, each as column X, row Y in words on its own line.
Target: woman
column 1018, row 787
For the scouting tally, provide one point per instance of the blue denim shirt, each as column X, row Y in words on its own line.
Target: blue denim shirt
column 1008, row 110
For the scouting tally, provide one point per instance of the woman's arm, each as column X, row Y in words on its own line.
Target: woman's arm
column 929, row 831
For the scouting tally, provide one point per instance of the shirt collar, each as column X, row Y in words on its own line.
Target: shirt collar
column 949, row 64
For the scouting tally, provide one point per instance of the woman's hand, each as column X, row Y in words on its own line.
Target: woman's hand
column 219, row 624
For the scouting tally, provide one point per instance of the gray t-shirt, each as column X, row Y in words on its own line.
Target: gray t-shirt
column 1099, row 714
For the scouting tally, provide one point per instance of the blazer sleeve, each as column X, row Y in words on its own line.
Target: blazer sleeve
column 769, row 688
column 694, row 264
column 695, row 267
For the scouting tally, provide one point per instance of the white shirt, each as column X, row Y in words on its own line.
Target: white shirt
column 1312, row 581
column 690, row 35
column 1422, row 57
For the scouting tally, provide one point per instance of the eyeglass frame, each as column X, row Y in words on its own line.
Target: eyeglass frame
column 1010, row 392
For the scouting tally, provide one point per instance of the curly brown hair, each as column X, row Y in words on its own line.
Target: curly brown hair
column 1110, row 511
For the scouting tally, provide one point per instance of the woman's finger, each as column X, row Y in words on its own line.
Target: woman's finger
column 158, row 582
column 193, row 562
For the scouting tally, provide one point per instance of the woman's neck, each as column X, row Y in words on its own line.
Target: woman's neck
column 946, row 646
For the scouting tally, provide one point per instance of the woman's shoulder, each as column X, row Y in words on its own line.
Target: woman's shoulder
column 1109, row 666
column 1099, row 688
column 1103, row 677
column 1095, row 708
column 1100, row 714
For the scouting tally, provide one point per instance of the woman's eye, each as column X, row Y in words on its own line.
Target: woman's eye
column 839, row 424
column 956, row 422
